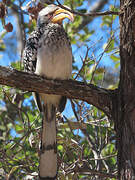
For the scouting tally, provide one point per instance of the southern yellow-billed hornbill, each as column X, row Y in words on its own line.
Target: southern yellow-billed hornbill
column 48, row 53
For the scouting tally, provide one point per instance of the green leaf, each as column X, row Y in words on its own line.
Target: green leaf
column 19, row 129
column 115, row 58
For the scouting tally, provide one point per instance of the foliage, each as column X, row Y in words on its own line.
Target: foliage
column 86, row 138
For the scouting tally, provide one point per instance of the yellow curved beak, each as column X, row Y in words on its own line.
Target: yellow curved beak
column 60, row 14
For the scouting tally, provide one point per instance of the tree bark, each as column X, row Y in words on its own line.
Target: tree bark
column 124, row 115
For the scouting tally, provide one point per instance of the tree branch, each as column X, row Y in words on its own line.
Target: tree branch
column 99, row 97
column 92, row 13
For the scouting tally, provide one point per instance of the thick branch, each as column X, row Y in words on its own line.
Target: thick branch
column 99, row 97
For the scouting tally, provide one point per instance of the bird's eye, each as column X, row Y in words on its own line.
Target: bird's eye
column 50, row 15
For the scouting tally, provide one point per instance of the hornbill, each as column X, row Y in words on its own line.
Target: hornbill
column 48, row 53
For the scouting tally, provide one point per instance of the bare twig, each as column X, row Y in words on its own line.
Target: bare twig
column 102, row 54
column 84, row 63
column 85, row 169
column 90, row 13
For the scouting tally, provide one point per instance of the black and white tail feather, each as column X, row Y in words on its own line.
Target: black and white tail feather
column 48, row 154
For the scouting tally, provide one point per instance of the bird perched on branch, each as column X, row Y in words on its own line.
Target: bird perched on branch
column 48, row 53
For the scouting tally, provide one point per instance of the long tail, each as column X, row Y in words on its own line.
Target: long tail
column 48, row 153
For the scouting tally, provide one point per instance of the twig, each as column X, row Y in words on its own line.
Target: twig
column 102, row 54
column 90, row 13
column 85, row 169
column 84, row 63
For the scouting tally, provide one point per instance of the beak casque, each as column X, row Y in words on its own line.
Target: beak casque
column 60, row 14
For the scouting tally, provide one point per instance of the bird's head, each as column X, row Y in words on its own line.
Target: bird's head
column 53, row 14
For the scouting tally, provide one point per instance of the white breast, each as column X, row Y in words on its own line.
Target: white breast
column 54, row 63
